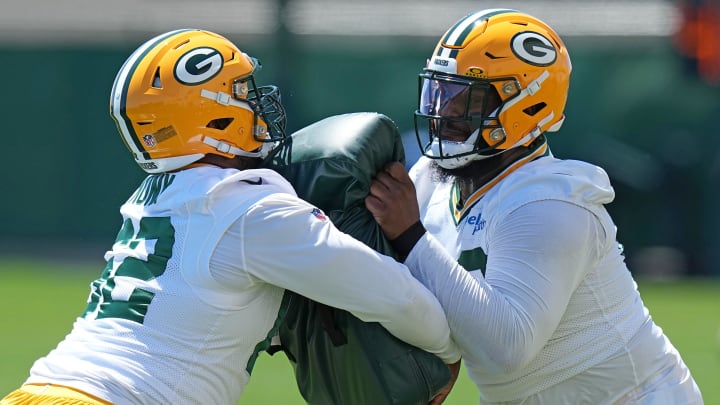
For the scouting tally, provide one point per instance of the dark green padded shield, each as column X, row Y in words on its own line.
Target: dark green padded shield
column 339, row 359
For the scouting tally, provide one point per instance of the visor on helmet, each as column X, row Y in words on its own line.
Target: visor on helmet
column 456, row 110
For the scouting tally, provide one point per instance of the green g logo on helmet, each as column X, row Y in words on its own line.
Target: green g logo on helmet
column 198, row 66
column 533, row 48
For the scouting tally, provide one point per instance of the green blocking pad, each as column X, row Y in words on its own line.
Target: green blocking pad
column 337, row 358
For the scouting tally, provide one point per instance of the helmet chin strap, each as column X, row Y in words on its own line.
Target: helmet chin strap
column 224, row 147
column 461, row 147
column 224, row 99
column 450, row 148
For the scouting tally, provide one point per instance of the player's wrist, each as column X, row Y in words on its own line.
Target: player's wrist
column 405, row 242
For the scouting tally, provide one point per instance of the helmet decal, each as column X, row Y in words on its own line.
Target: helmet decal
column 447, row 65
column 533, row 48
column 457, row 34
column 476, row 72
column 149, row 140
column 198, row 66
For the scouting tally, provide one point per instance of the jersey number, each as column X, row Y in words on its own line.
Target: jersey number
column 138, row 255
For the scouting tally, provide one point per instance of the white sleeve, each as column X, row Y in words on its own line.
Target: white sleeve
column 285, row 244
column 537, row 256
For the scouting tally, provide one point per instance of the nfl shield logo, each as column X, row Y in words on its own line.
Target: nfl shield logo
column 149, row 140
column 319, row 214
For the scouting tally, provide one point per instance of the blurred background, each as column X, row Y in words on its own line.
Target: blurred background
column 644, row 96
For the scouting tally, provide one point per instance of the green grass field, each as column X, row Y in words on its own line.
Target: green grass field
column 39, row 301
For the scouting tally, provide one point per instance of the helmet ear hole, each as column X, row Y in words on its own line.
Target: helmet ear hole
column 534, row 109
column 157, row 83
column 219, row 123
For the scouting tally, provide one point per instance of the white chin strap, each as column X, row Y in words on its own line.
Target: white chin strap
column 224, row 147
column 225, row 99
column 452, row 149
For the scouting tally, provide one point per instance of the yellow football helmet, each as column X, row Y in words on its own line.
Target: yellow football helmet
column 497, row 79
column 190, row 92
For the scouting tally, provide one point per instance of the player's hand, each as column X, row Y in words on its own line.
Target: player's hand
column 392, row 200
column 442, row 395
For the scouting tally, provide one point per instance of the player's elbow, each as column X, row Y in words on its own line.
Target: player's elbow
column 506, row 361
column 506, row 351
column 413, row 315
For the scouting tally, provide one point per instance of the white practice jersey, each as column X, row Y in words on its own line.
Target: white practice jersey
column 547, row 311
column 194, row 284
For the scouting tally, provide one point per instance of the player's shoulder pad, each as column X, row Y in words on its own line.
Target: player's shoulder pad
column 255, row 177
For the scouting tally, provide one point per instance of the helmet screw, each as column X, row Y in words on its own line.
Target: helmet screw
column 509, row 88
column 497, row 134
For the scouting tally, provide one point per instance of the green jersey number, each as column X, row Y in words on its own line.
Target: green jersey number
column 140, row 254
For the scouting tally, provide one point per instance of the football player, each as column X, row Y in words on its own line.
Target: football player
column 194, row 283
column 540, row 300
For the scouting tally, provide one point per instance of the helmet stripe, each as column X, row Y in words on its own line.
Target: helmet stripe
column 118, row 97
column 457, row 34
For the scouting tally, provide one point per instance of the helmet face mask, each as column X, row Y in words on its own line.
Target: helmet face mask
column 457, row 110
column 187, row 93
column 497, row 80
column 267, row 103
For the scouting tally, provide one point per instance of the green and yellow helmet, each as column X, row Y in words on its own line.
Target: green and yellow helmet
column 496, row 80
column 190, row 92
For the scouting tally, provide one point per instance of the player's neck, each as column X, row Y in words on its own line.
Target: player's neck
column 478, row 174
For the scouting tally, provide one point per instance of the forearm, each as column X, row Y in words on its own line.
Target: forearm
column 316, row 260
column 488, row 329
column 425, row 326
